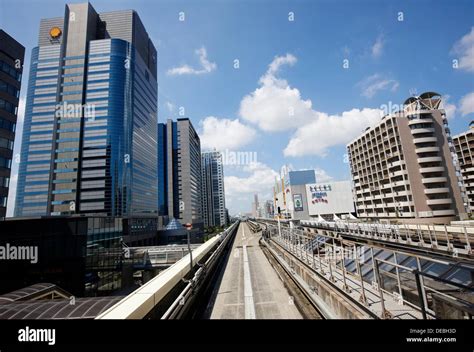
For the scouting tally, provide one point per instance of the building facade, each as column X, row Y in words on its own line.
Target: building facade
column 403, row 167
column 329, row 200
column 289, row 192
column 179, row 172
column 11, row 67
column 89, row 138
column 213, row 192
column 464, row 145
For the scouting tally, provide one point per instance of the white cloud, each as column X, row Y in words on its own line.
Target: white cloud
column 322, row 175
column 467, row 104
column 448, row 107
column 240, row 190
column 206, row 65
column 170, row 106
column 464, row 49
column 377, row 48
column 326, row 131
column 224, row 133
column 375, row 83
column 275, row 106
column 16, row 150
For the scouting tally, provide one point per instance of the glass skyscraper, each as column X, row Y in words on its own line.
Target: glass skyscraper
column 213, row 195
column 179, row 172
column 11, row 68
column 89, row 139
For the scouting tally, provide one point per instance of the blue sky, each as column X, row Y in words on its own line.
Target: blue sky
column 290, row 101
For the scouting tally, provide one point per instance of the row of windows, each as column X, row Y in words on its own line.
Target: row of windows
column 5, row 105
column 5, row 87
column 4, row 162
column 10, row 70
column 4, row 181
column 7, row 125
column 6, row 143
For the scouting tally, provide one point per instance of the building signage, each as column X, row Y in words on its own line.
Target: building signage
column 298, row 202
column 329, row 198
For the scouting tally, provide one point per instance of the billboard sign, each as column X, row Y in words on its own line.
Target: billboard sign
column 298, row 202
column 329, row 198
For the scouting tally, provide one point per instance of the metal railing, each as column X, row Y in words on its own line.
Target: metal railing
column 392, row 284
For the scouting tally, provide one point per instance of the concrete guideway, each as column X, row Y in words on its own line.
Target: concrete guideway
column 249, row 287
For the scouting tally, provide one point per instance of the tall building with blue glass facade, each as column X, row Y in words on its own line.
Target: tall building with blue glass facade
column 90, row 131
column 213, row 193
column 179, row 172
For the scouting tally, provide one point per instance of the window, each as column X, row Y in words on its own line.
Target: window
column 5, row 105
column 4, row 181
column 10, row 70
column 4, row 162
column 7, row 125
column 5, row 87
column 6, row 143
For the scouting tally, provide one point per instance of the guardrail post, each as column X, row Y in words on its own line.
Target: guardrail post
column 385, row 314
column 422, row 287
column 468, row 244
column 448, row 244
column 319, row 258
column 362, row 298
column 343, row 268
column 400, row 292
column 419, row 287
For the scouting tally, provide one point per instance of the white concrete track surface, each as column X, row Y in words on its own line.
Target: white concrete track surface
column 249, row 287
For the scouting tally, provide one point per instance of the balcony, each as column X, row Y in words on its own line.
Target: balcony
column 439, row 201
column 436, row 190
column 429, row 159
column 425, row 140
column 400, row 183
column 432, row 169
column 422, row 130
column 399, row 173
column 427, row 150
column 434, row 180
column 446, row 212
column 416, row 121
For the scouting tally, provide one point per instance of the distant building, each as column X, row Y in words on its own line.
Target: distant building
column 268, row 209
column 11, row 68
column 179, row 172
column 290, row 193
column 403, row 167
column 227, row 216
column 255, row 206
column 89, row 137
column 213, row 194
column 464, row 145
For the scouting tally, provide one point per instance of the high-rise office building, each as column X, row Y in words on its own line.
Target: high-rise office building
column 255, row 206
column 11, row 68
column 89, row 139
column 464, row 145
column 403, row 168
column 213, row 194
column 179, row 172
